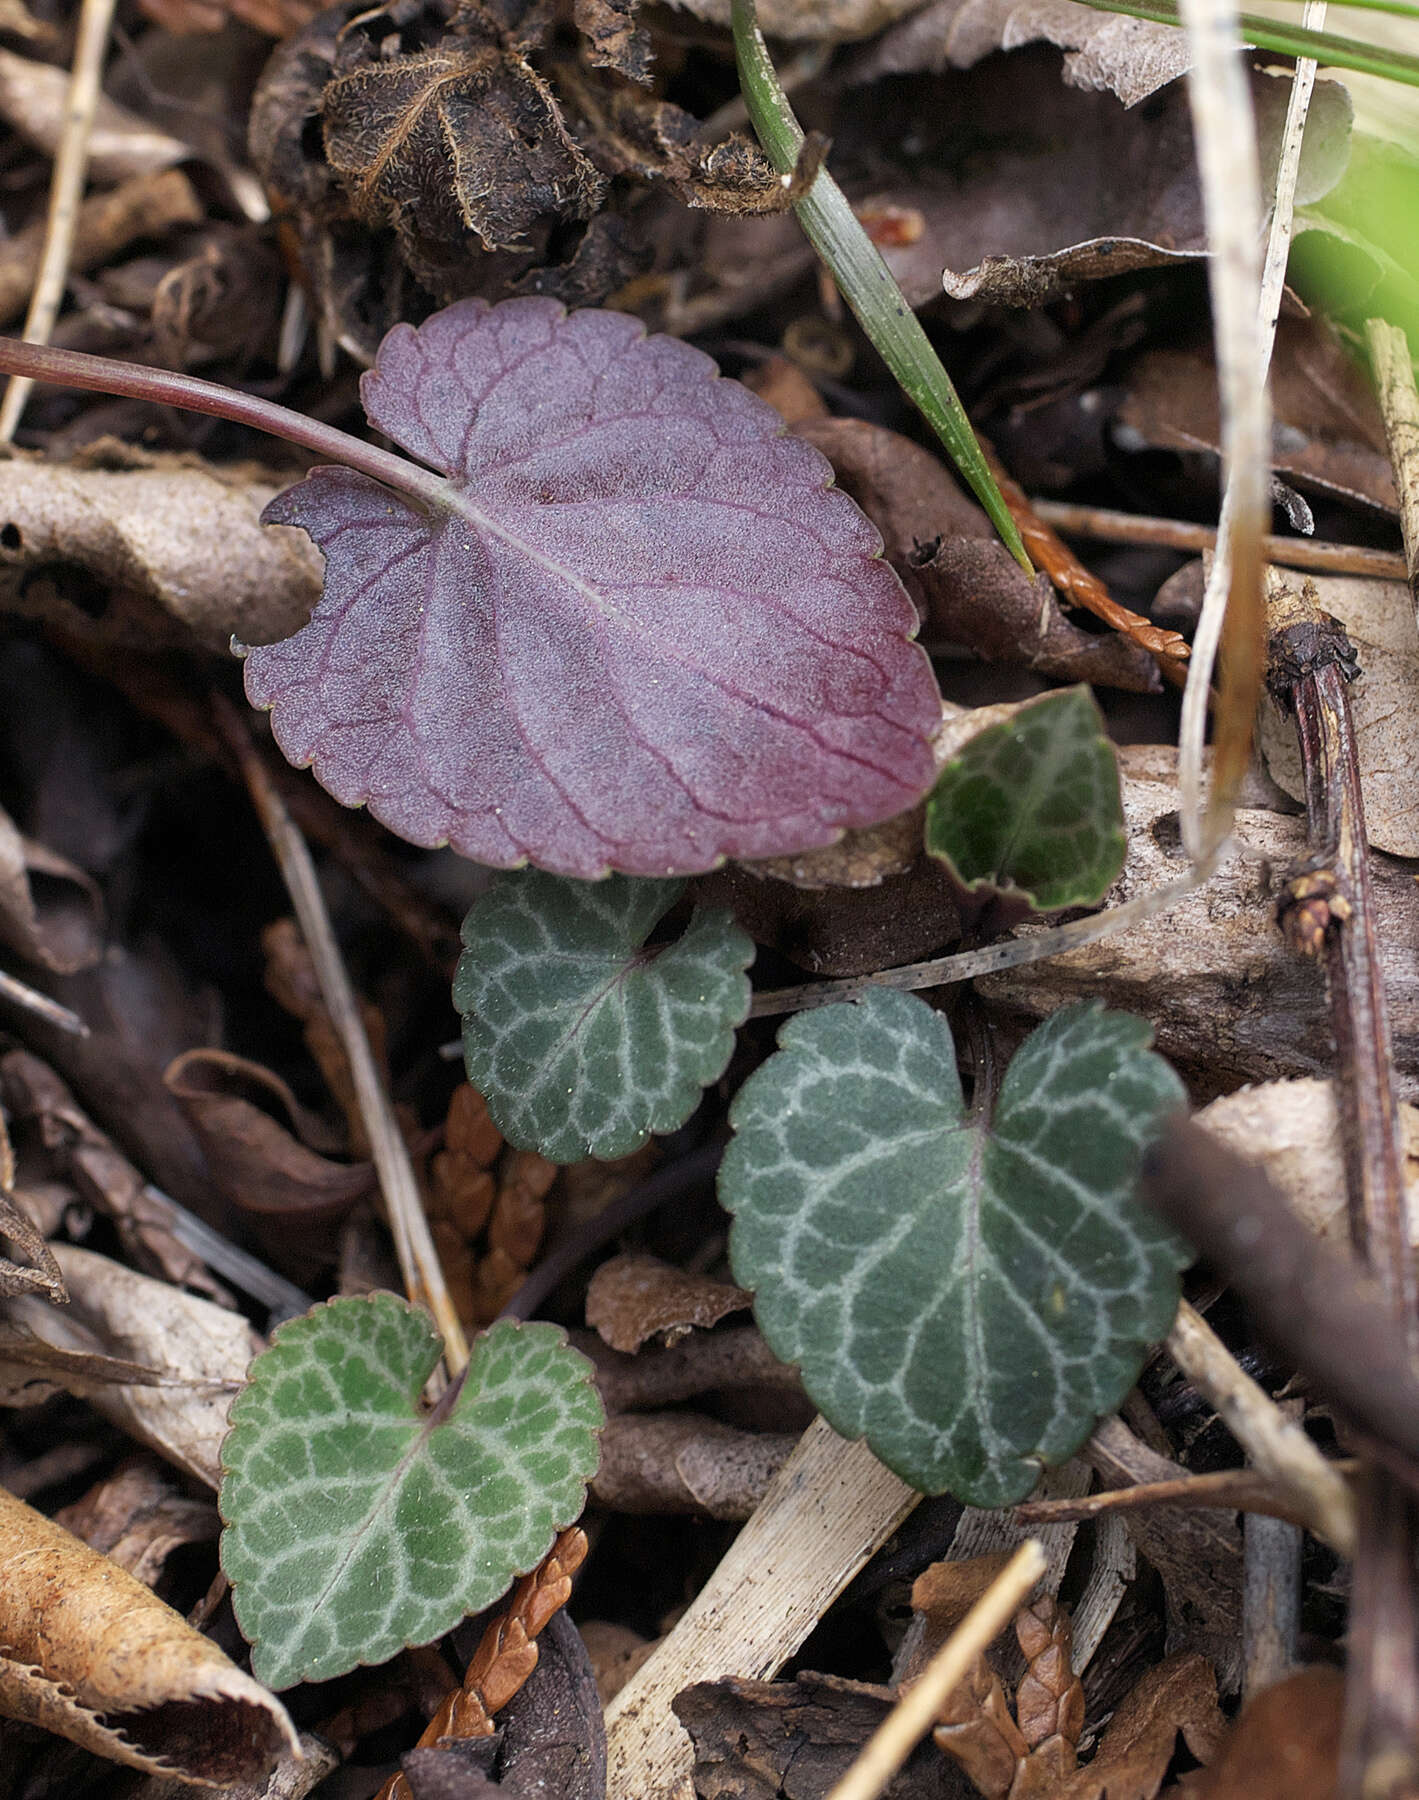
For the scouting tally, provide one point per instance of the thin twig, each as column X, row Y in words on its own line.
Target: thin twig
column 1107, row 527
column 1399, row 405
column 66, row 187
column 1277, row 1447
column 1229, row 1490
column 915, row 1712
column 18, row 993
column 413, row 1243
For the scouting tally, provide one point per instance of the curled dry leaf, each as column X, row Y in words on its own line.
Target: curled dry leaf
column 176, row 552
column 79, row 1152
column 137, row 1518
column 51, row 912
column 665, row 1375
column 1327, row 433
column 257, row 1140
column 32, row 1371
column 635, row 1297
column 1384, row 705
column 967, row 586
column 1132, row 58
column 92, row 1654
column 201, row 1350
column 39, row 1273
column 1292, row 1128
column 978, row 1731
column 1079, row 189
column 34, row 98
column 1179, row 1696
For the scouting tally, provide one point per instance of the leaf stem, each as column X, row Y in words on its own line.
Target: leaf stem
column 867, row 284
column 168, row 387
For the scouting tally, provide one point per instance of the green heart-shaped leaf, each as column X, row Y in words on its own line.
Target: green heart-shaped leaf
column 1032, row 805
column 358, row 1521
column 967, row 1296
column 582, row 1040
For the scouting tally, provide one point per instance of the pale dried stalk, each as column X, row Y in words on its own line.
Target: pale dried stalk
column 1278, row 1447
column 413, row 1242
column 1225, row 134
column 71, row 163
column 20, row 994
column 1399, row 405
column 829, row 1508
column 915, row 1712
column 1108, row 527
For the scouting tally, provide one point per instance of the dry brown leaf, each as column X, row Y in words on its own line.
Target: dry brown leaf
column 1285, row 1745
column 635, row 1297
column 836, row 21
column 506, row 1654
column 1228, row 1000
column 257, row 1140
column 32, row 1371
column 968, row 588
column 977, row 1730
column 293, row 1778
column 1130, row 57
column 1179, row 1696
column 177, row 549
column 203, row 1349
column 1378, row 618
column 78, row 1151
column 39, row 1274
column 1326, row 432
column 945, row 1592
column 1079, row 189
column 92, row 1654
column 1292, row 1128
column 61, row 925
column 34, row 99
column 1049, row 1700
column 137, row 1517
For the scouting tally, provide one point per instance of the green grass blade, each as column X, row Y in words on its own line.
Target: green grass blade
column 1295, row 40
column 867, row 284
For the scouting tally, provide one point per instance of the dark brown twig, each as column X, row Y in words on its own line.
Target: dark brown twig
column 1332, row 914
column 1231, row 1490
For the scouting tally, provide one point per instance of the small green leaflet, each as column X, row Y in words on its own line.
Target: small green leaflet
column 968, row 1296
column 582, row 1041
column 357, row 1521
column 1033, row 805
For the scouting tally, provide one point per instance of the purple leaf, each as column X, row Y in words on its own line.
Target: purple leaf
column 635, row 628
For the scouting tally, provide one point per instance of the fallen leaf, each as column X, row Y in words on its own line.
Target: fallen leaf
column 1292, row 1128
column 1326, row 433
column 795, row 1739
column 79, row 1152
column 635, row 1297
column 257, row 1140
column 92, row 1654
column 39, row 1273
column 137, row 1518
column 34, row 98
column 814, row 708
column 149, row 557
column 1073, row 188
column 32, row 1371
column 1284, row 1746
column 1132, row 58
column 202, row 1349
column 1178, row 1697
column 61, row 926
column 1378, row 617
column 978, row 1732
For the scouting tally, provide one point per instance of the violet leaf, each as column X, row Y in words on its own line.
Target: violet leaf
column 633, row 627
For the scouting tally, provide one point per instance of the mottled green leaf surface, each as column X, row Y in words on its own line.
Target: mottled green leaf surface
column 358, row 1521
column 967, row 1296
column 1033, row 805
column 581, row 1038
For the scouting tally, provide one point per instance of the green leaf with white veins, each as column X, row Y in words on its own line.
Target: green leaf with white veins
column 358, row 1520
column 968, row 1295
column 583, row 1039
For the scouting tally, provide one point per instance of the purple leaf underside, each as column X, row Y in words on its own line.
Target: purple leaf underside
column 638, row 629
